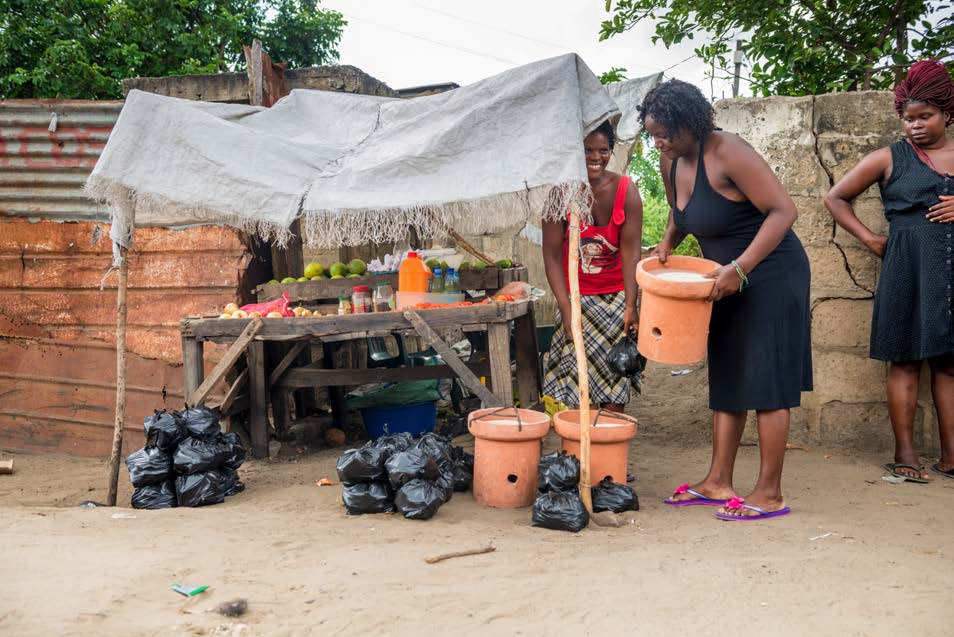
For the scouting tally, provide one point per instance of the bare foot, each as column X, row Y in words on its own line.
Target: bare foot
column 766, row 503
column 712, row 491
column 912, row 460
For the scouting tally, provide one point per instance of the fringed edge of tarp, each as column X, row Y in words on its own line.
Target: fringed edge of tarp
column 123, row 203
column 351, row 227
column 486, row 215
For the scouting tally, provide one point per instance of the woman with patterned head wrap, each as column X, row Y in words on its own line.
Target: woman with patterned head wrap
column 913, row 318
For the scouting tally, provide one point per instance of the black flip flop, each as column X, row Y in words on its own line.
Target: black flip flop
column 892, row 468
column 947, row 474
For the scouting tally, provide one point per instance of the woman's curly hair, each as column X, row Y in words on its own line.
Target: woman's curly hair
column 678, row 105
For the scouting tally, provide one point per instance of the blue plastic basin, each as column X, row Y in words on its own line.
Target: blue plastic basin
column 414, row 419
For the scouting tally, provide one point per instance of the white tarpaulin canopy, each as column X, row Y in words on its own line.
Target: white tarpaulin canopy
column 359, row 169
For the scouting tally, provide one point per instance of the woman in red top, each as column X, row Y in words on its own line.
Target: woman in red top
column 609, row 250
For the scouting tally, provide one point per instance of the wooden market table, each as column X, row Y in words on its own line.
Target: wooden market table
column 263, row 385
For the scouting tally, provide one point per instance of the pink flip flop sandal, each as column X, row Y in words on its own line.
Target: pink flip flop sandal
column 697, row 499
column 760, row 514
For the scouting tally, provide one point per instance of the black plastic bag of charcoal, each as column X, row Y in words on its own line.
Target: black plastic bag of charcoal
column 613, row 496
column 561, row 511
column 194, row 455
column 164, row 430
column 436, row 446
column 445, row 479
column 155, row 496
column 201, row 489
column 419, row 499
column 233, row 484
column 371, row 497
column 558, row 472
column 405, row 466
column 234, row 450
column 365, row 464
column 625, row 361
column 149, row 465
column 463, row 468
column 201, row 422
column 394, row 443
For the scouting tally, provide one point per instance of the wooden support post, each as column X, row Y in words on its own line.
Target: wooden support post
column 193, row 364
column 582, row 373
column 232, row 354
column 528, row 359
column 233, row 391
column 451, row 359
column 120, row 416
column 285, row 362
column 258, row 400
column 498, row 346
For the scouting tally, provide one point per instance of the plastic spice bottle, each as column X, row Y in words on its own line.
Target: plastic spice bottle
column 361, row 299
column 344, row 305
column 413, row 274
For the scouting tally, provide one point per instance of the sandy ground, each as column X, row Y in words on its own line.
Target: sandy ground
column 881, row 563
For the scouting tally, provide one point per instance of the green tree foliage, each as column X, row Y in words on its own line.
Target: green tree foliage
column 801, row 47
column 81, row 49
column 644, row 169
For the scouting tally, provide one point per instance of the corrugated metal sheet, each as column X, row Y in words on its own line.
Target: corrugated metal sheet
column 57, row 326
column 42, row 171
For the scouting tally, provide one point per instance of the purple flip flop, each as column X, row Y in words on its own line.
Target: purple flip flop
column 761, row 514
column 698, row 498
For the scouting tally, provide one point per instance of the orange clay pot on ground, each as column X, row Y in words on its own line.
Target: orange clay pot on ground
column 506, row 454
column 609, row 441
column 674, row 313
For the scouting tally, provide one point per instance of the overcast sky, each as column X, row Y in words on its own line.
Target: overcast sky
column 408, row 43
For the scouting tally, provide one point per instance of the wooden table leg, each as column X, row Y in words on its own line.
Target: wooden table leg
column 335, row 394
column 193, row 365
column 528, row 359
column 258, row 400
column 498, row 344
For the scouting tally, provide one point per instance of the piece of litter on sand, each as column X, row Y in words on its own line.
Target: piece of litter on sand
column 89, row 504
column 820, row 537
column 789, row 445
column 894, row 479
column 188, row 591
column 123, row 516
column 447, row 556
column 680, row 372
column 6, row 466
column 325, row 482
column 234, row 608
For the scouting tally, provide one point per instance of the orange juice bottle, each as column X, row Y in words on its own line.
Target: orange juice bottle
column 413, row 274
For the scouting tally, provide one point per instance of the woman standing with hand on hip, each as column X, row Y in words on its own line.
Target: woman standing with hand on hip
column 759, row 350
column 912, row 319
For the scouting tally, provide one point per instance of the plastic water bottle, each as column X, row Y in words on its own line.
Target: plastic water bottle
column 437, row 282
column 451, row 282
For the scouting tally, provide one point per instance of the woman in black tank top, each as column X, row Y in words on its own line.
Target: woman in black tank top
column 913, row 305
column 759, row 349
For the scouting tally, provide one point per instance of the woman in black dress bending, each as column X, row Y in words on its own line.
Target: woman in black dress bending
column 912, row 320
column 723, row 192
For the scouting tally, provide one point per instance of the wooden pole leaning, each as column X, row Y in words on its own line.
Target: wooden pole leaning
column 117, row 450
column 576, row 329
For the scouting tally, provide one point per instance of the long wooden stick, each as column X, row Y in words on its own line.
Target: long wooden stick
column 466, row 246
column 117, row 451
column 447, row 556
column 582, row 373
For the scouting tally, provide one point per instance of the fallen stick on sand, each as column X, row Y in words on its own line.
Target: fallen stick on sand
column 447, row 556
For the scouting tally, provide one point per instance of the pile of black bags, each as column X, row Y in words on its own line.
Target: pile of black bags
column 558, row 505
column 398, row 472
column 187, row 461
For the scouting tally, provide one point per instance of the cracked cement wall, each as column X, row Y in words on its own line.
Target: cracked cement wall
column 810, row 142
